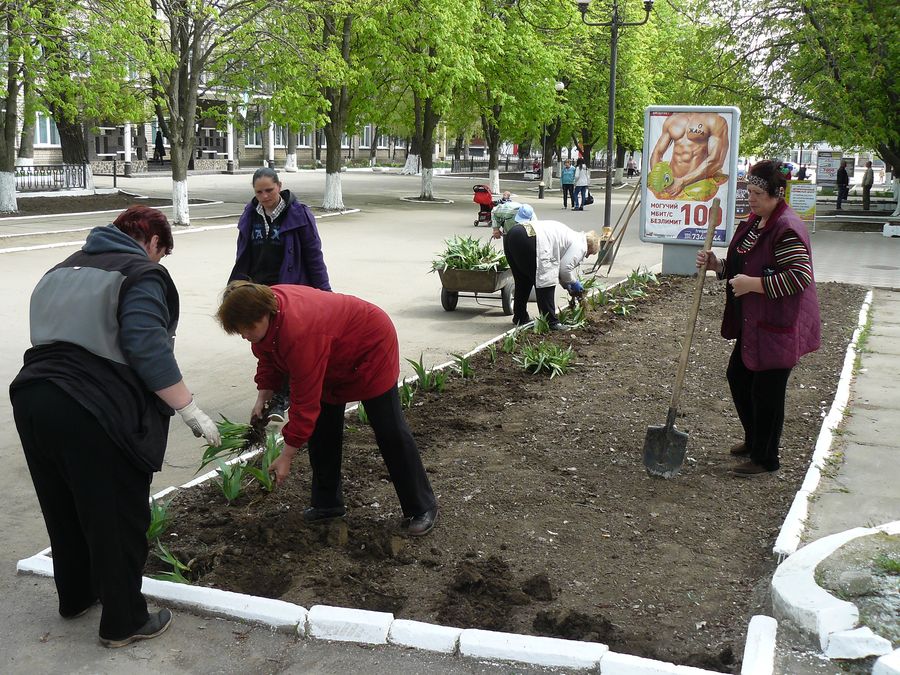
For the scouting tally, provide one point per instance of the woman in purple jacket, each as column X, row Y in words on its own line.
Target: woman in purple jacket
column 771, row 310
column 278, row 243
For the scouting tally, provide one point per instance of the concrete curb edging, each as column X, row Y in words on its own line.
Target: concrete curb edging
column 833, row 622
column 759, row 650
column 788, row 539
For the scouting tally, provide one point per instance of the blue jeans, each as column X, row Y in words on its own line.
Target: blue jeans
column 580, row 196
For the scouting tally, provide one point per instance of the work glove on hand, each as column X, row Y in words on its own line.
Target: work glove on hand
column 200, row 423
column 576, row 289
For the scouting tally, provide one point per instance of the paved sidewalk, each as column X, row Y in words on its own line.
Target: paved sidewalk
column 34, row 640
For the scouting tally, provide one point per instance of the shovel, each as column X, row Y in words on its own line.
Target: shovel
column 665, row 446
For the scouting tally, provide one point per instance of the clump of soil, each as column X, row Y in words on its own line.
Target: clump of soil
column 549, row 523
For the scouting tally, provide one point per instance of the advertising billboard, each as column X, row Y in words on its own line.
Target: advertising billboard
column 692, row 156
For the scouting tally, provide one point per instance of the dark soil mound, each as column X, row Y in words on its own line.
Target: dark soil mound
column 40, row 206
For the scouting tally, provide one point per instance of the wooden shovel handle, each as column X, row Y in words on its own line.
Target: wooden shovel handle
column 715, row 218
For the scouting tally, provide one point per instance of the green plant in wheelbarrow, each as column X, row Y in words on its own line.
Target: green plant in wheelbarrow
column 469, row 253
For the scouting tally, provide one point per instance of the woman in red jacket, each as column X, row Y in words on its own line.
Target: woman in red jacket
column 334, row 348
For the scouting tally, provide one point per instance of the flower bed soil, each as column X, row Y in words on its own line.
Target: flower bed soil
column 549, row 523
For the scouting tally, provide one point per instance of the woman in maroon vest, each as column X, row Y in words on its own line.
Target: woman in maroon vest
column 771, row 310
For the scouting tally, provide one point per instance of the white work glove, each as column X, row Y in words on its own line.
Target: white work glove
column 200, row 423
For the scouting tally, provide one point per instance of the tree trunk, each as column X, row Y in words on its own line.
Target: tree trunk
column 620, row 162
column 430, row 119
column 290, row 159
column 8, row 135
column 550, row 140
column 74, row 146
column 373, row 147
column 334, row 197
column 492, row 137
column 414, row 148
column 25, row 155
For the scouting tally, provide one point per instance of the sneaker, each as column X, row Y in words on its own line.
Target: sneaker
column 157, row 624
column 277, row 407
column 317, row 513
column 559, row 326
column 419, row 526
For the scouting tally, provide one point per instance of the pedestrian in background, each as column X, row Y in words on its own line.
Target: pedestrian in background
column 771, row 310
column 843, row 183
column 159, row 148
column 868, row 181
column 582, row 184
column 278, row 243
column 567, row 181
column 92, row 405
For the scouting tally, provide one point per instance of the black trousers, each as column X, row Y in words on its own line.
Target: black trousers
column 521, row 254
column 568, row 190
column 867, row 190
column 397, row 446
column 95, row 505
column 759, row 399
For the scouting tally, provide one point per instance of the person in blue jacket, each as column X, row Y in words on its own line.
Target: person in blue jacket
column 278, row 243
column 567, row 181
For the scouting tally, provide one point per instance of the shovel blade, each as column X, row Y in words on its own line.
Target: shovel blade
column 664, row 450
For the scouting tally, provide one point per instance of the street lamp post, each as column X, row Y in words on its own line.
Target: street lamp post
column 615, row 23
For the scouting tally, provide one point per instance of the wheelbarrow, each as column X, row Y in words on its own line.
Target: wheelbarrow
column 475, row 283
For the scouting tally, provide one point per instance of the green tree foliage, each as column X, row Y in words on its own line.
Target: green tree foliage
column 823, row 70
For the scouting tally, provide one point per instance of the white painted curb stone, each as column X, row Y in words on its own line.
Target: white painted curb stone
column 541, row 651
column 797, row 597
column 759, row 650
column 858, row 643
column 422, row 635
column 348, row 625
column 626, row 664
column 788, row 539
column 276, row 613
column 888, row 665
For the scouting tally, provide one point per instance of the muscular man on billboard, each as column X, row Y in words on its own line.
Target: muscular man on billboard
column 699, row 145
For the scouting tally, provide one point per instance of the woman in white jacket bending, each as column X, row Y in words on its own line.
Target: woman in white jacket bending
column 540, row 254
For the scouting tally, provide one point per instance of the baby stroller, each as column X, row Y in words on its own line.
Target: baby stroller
column 485, row 201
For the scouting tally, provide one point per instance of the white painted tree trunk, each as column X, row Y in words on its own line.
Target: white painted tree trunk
column 620, row 174
column 180, row 214
column 24, row 161
column 88, row 177
column 548, row 177
column 427, row 184
column 8, row 192
column 334, row 196
column 411, row 168
column 290, row 162
column 494, row 182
